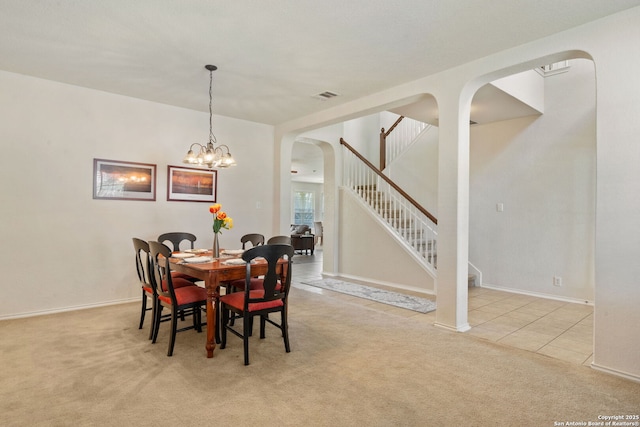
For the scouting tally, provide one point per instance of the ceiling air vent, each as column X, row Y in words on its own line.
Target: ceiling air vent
column 325, row 95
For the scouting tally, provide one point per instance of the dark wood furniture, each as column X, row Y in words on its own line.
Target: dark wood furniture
column 181, row 296
column 254, row 238
column 280, row 240
column 304, row 243
column 271, row 297
column 143, row 269
column 177, row 237
column 213, row 274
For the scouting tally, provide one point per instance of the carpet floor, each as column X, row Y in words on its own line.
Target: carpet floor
column 350, row 365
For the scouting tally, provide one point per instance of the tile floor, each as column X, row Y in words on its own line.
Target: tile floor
column 556, row 329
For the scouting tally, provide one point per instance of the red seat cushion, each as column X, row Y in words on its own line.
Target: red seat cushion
column 236, row 300
column 177, row 283
column 147, row 289
column 187, row 295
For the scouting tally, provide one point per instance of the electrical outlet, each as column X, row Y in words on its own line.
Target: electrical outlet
column 557, row 281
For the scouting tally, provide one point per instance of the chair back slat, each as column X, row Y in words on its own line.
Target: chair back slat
column 272, row 253
column 256, row 239
column 142, row 265
column 177, row 237
column 161, row 275
column 283, row 240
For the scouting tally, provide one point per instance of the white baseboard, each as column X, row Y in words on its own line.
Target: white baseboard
column 463, row 328
column 536, row 294
column 615, row 372
column 65, row 309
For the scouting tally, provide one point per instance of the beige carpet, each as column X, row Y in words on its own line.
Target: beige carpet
column 350, row 366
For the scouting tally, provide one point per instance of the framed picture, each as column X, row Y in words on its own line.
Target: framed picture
column 117, row 180
column 191, row 185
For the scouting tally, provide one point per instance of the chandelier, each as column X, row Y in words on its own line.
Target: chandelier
column 210, row 155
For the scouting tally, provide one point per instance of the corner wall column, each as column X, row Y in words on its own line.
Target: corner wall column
column 453, row 212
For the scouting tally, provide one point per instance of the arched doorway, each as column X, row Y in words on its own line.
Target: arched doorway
column 532, row 196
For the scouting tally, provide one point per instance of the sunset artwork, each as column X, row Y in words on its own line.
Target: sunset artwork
column 189, row 184
column 123, row 180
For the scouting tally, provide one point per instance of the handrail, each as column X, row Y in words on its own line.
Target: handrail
column 393, row 126
column 383, row 142
column 390, row 182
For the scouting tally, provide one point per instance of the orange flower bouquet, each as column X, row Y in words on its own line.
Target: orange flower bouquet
column 220, row 218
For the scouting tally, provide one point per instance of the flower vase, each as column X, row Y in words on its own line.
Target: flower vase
column 216, row 246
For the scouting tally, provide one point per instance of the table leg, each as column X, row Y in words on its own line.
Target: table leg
column 211, row 320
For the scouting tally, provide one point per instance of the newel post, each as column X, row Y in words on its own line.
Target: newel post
column 383, row 149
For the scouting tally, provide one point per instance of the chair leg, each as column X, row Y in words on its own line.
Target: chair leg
column 285, row 331
column 223, row 327
column 195, row 317
column 246, row 324
column 156, row 323
column 263, row 322
column 174, row 327
column 216, row 333
column 154, row 308
column 229, row 290
column 144, row 309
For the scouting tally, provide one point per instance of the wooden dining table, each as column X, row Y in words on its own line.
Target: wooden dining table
column 213, row 274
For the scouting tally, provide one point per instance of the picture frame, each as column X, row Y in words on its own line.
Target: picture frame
column 122, row 180
column 191, row 184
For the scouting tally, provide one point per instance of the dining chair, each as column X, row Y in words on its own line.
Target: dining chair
column 272, row 298
column 255, row 239
column 176, row 238
column 143, row 269
column 281, row 240
column 181, row 296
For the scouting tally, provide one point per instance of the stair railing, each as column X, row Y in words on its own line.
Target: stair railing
column 415, row 225
column 400, row 135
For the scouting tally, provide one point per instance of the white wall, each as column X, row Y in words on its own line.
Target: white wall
column 369, row 252
column 416, row 170
column 542, row 169
column 363, row 134
column 527, row 87
column 62, row 249
column 612, row 43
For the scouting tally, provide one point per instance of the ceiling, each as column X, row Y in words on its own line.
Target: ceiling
column 307, row 163
column 272, row 56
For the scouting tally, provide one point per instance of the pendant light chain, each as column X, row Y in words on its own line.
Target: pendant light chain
column 212, row 138
column 208, row 154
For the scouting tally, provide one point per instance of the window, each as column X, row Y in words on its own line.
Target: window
column 303, row 212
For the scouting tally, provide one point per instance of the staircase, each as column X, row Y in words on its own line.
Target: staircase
column 392, row 213
column 424, row 245
column 412, row 224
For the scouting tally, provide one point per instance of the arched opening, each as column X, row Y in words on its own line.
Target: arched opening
column 307, row 192
column 312, row 176
column 532, row 190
